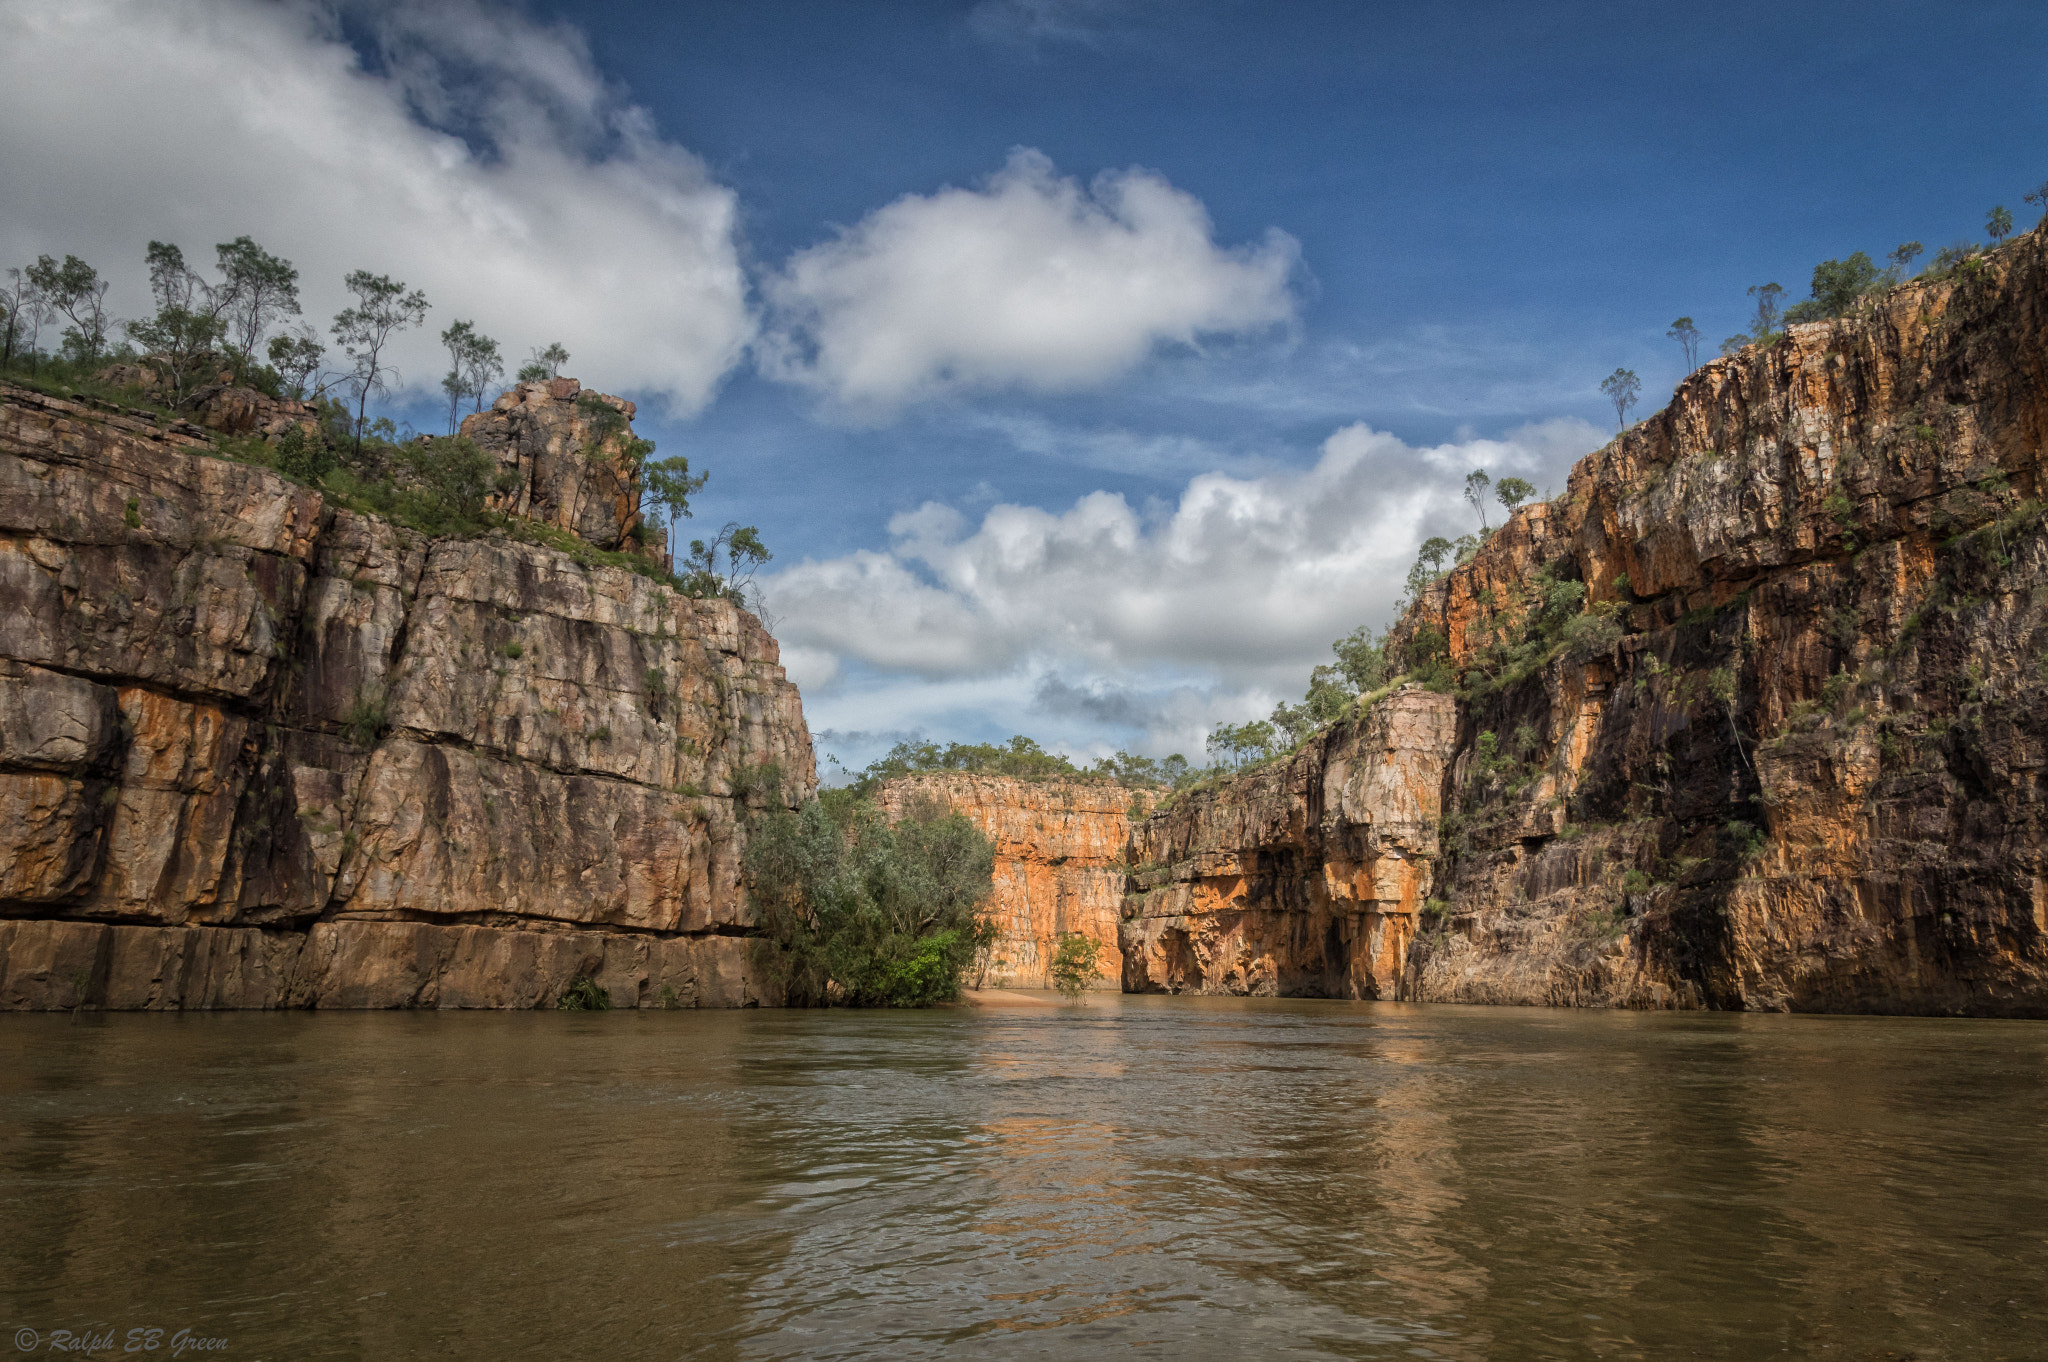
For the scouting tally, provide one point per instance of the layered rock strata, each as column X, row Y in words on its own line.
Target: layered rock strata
column 1787, row 752
column 1301, row 879
column 259, row 750
column 1059, row 868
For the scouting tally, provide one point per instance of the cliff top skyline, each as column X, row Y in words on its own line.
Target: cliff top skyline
column 1088, row 365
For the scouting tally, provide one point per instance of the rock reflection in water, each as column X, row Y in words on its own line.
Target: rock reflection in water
column 1182, row 1176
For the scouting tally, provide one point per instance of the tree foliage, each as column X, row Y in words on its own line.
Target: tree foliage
column 1688, row 337
column 869, row 913
column 1837, row 286
column 545, row 363
column 1512, row 492
column 257, row 290
column 1476, row 483
column 383, row 308
column 1024, row 759
column 75, row 289
column 1621, row 388
column 1076, row 963
column 473, row 365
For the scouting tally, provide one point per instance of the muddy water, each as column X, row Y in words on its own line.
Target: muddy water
column 1175, row 1177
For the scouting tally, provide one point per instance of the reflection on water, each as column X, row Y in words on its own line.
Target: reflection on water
column 1198, row 1177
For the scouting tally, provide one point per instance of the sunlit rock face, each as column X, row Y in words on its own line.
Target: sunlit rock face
column 1059, row 863
column 1302, row 879
column 569, row 451
column 1802, row 769
column 257, row 750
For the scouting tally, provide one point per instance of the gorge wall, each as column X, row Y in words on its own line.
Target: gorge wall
column 1304, row 878
column 1787, row 753
column 259, row 750
column 1059, row 868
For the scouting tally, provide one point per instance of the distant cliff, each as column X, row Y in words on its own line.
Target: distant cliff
column 1786, row 751
column 259, row 750
column 1059, row 846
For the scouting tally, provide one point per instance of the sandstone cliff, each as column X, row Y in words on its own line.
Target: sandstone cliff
column 1304, row 878
column 258, row 750
column 1793, row 756
column 1059, row 862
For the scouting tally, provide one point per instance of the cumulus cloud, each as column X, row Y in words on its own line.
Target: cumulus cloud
column 1219, row 603
column 1031, row 281
column 474, row 153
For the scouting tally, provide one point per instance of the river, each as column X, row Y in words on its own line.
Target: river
column 1170, row 1177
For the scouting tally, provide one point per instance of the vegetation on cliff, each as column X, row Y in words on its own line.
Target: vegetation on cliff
column 209, row 334
column 870, row 913
column 1024, row 759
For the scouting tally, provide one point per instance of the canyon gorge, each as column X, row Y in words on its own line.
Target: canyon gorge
column 1751, row 717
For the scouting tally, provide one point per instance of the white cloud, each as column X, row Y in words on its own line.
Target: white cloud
column 1032, row 281
column 1214, row 607
column 487, row 162
column 1087, row 23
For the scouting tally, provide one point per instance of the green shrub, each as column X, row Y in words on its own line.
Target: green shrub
column 868, row 913
column 364, row 718
column 1075, row 964
column 583, row 995
column 1589, row 636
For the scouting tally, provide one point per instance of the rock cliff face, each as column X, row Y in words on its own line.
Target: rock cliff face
column 1302, row 879
column 1791, row 756
column 257, row 750
column 1059, row 862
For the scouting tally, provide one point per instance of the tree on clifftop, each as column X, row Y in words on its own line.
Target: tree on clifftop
column 473, row 364
column 542, row 365
column 1476, row 483
column 383, row 308
column 1688, row 337
column 260, row 290
column 1621, row 388
column 75, row 289
column 1998, row 224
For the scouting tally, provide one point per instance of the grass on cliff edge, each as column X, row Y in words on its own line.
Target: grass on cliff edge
column 436, row 485
column 868, row 913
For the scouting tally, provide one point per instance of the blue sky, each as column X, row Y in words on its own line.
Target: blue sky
column 1089, row 364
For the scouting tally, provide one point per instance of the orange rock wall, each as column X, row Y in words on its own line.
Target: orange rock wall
column 1807, row 773
column 1791, row 754
column 1301, row 879
column 1059, row 863
column 259, row 750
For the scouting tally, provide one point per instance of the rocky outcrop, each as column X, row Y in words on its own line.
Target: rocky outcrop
column 1059, row 867
column 1301, row 879
column 1787, row 750
column 260, row 750
column 570, row 454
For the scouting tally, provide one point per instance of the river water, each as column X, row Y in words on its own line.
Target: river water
column 1170, row 1177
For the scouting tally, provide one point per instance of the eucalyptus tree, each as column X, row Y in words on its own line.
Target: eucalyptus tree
column 76, row 290
column 1621, row 388
column 260, row 290
column 1476, row 483
column 1688, row 337
column 383, row 308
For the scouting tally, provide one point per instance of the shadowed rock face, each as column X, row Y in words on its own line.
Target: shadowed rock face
column 260, row 751
column 1805, row 770
column 1059, row 863
column 1302, row 879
